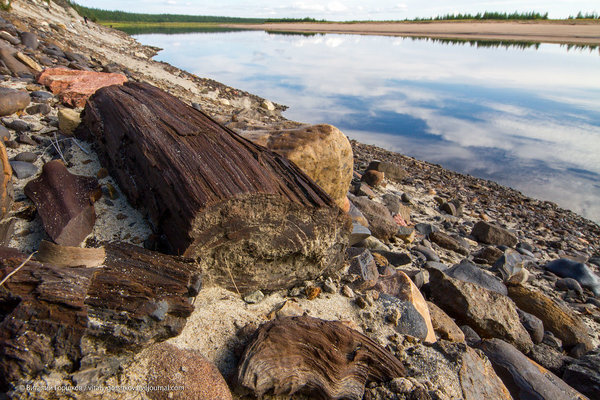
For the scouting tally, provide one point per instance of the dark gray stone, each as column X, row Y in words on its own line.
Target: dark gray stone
column 26, row 156
column 429, row 254
column 550, row 358
column 566, row 268
column 381, row 223
column 40, row 108
column 4, row 133
column 426, row 229
column 565, row 284
column 22, row 169
column 9, row 38
column 359, row 233
column 472, row 338
column 18, row 125
column 394, row 258
column 584, row 374
column 25, row 139
column 468, row 272
column 522, row 378
column 363, row 265
column 552, row 340
column 488, row 254
column 533, row 325
column 408, row 321
column 436, row 265
column 392, row 202
column 448, row 242
column 41, row 96
column 30, row 40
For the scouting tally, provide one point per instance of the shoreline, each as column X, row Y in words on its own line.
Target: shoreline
column 527, row 31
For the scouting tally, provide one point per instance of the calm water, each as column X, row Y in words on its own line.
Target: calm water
column 526, row 117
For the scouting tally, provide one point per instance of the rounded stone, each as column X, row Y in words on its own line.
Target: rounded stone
column 12, row 100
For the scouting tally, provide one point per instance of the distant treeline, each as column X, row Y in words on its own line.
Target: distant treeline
column 580, row 15
column 99, row 15
column 532, row 15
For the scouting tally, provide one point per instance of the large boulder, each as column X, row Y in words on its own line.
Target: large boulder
column 469, row 272
column 556, row 318
column 523, row 377
column 74, row 87
column 323, row 152
column 381, row 223
column 572, row 269
column 491, row 314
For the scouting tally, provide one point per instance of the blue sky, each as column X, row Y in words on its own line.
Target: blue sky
column 343, row 9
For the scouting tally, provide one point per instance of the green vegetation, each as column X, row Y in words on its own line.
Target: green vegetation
column 532, row 15
column 5, row 5
column 580, row 15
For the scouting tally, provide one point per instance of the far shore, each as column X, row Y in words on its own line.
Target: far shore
column 584, row 32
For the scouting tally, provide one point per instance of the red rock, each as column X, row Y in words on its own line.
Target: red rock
column 75, row 87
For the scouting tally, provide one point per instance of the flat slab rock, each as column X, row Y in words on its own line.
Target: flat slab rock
column 79, row 315
column 252, row 218
column 74, row 87
column 325, row 359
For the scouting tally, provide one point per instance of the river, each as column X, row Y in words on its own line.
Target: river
column 524, row 115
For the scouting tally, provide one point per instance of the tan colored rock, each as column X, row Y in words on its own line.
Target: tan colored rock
column 410, row 292
column 75, row 87
column 323, row 152
column 68, row 120
column 443, row 325
column 191, row 375
column 490, row 314
column 6, row 186
column 28, row 61
column 556, row 318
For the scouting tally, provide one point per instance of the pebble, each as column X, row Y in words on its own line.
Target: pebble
column 41, row 96
column 565, row 284
column 17, row 125
column 22, row 169
column 26, row 139
column 347, row 291
column 26, row 156
column 254, row 297
column 40, row 108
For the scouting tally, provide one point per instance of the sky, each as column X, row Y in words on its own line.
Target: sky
column 343, row 9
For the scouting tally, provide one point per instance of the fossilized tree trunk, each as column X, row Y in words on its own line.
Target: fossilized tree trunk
column 248, row 214
column 84, row 316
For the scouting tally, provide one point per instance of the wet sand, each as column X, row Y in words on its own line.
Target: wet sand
column 566, row 32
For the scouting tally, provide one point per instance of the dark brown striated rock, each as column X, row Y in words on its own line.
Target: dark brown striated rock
column 372, row 178
column 82, row 315
column 6, row 187
column 490, row 314
column 325, row 359
column 12, row 100
column 64, row 202
column 363, row 265
column 524, row 378
column 187, row 369
column 489, row 233
column 253, row 218
column 557, row 319
column 75, row 87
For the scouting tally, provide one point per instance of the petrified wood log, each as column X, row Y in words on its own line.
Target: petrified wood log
column 254, row 218
column 80, row 315
column 64, row 202
column 324, row 359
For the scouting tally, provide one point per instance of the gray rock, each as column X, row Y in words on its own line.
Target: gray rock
column 523, row 379
column 404, row 316
column 381, row 223
column 12, row 100
column 40, row 108
column 488, row 255
column 471, row 337
column 18, row 125
column 395, row 258
column 26, row 156
column 4, row 133
column 436, row 265
column 566, row 268
column 392, row 202
column 512, row 267
column 363, row 265
column 9, row 38
column 533, row 325
column 41, row 96
column 489, row 313
column 15, row 66
column 552, row 340
column 584, row 374
column 254, row 297
column 391, row 170
column 359, row 233
column 406, row 198
column 426, row 229
column 429, row 254
column 22, row 169
column 447, row 242
column 468, row 272
column 486, row 232
column 569, row 284
column 25, row 139
column 550, row 358
column 55, row 51
column 30, row 40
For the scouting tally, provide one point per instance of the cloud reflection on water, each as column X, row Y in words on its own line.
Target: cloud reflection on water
column 526, row 118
